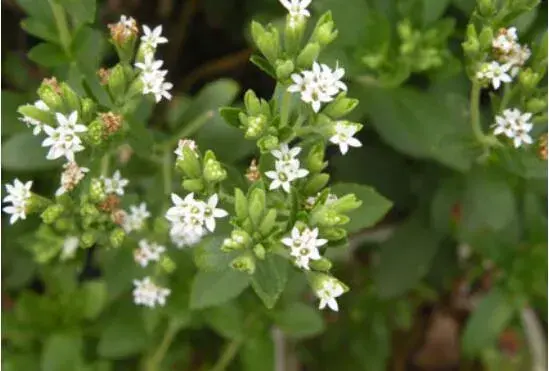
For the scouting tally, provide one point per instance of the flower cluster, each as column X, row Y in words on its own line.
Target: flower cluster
column 149, row 294
column 344, row 136
column 37, row 126
column 135, row 219
column 191, row 219
column 514, row 125
column 152, row 77
column 71, row 176
column 287, row 168
column 304, row 246
column 64, row 139
column 124, row 29
column 510, row 57
column 148, row 252
column 19, row 195
column 319, row 85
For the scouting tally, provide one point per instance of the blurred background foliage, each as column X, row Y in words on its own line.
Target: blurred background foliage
column 416, row 302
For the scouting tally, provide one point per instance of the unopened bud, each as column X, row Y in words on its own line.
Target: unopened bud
column 88, row 109
column 323, row 265
column 268, row 222
column 213, row 171
column 259, row 251
column 244, row 263
column 315, row 158
column 95, row 134
column 255, row 126
column 324, row 32
column 284, row 69
column 116, row 237
column 97, row 190
column 486, row 7
column 308, row 55
column 193, row 185
column 267, row 143
column 50, row 93
column 256, row 208
column 52, row 213
column 111, row 122
column 117, row 83
column 486, row 37
column 252, row 103
column 316, row 183
column 267, row 41
column 88, row 239
column 167, row 264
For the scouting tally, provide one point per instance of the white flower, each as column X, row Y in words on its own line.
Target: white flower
column 135, row 220
column 149, row 65
column 70, row 245
column 182, row 144
column 343, row 136
column 147, row 252
column 495, row 72
column 148, row 294
column 514, row 125
column 297, row 8
column 506, row 40
column 153, row 78
column 37, row 125
column 287, row 167
column 127, row 22
column 522, row 135
column 116, row 184
column 330, row 290
column 162, row 90
column 154, row 37
column 64, row 139
column 304, row 246
column 211, row 212
column 284, row 153
column 71, row 176
column 19, row 195
column 281, row 177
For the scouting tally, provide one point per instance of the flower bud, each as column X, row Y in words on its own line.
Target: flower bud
column 259, row 251
column 323, row 265
column 189, row 163
column 536, row 105
column 256, row 205
column 117, row 83
column 88, row 209
column 255, row 126
column 97, row 190
column 334, row 234
column 529, row 79
column 71, row 99
column 267, row 143
column 88, row 239
column 49, row 92
column 63, row 224
column 193, row 185
column 317, row 280
column 268, row 222
column 94, row 135
column 267, row 41
column 316, row 183
column 328, row 217
column 308, row 55
column 244, row 263
column 252, row 103
column 167, row 264
column 37, row 204
column 324, row 32
column 315, row 158
column 213, row 171
column 486, row 37
column 240, row 204
column 471, row 45
column 116, row 237
column 52, row 213
column 123, row 37
column 284, row 69
column 346, row 203
column 88, row 109
column 486, row 7
column 340, row 107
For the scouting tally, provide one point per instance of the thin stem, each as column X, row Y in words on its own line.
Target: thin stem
column 285, row 108
column 475, row 113
column 228, row 355
column 167, row 171
column 105, row 162
column 62, row 25
column 154, row 361
column 191, row 128
column 507, row 95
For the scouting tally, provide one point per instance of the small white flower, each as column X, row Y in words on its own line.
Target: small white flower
column 135, row 220
column 71, row 176
column 154, row 37
column 127, row 22
column 330, row 290
column 116, row 184
column 70, row 123
column 304, row 246
column 162, row 90
column 285, row 154
column 522, row 135
column 514, row 125
column 149, row 294
column 495, row 72
column 149, row 65
column 211, row 212
column 148, row 252
column 281, row 177
column 64, row 139
column 297, row 8
column 37, row 125
column 19, row 195
column 182, row 144
column 343, row 136
column 70, row 245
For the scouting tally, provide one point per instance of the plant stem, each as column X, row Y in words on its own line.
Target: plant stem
column 62, row 25
column 156, row 358
column 167, row 171
column 285, row 109
column 228, row 355
column 475, row 113
column 105, row 162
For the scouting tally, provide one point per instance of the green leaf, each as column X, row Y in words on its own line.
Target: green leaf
column 95, row 298
column 48, row 55
column 263, row 65
column 36, row 27
column 124, row 333
column 447, row 196
column 40, row 9
column 119, row 269
column 525, row 164
column 373, row 208
column 227, row 320
column 258, row 353
column 10, row 118
column 24, row 152
column 270, row 279
column 230, row 115
column 88, row 47
column 433, row 10
column 81, row 11
column 209, row 257
column 213, row 288
column 490, row 317
column 405, row 258
column 420, row 124
column 299, row 320
column 62, row 352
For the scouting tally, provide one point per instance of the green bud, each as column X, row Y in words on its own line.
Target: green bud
column 88, row 209
column 346, row 203
column 95, row 133
column 167, row 264
column 284, row 69
column 315, row 158
column 49, row 94
column 340, row 106
column 471, row 45
column 37, row 204
column 244, row 263
column 52, row 213
column 323, row 265
column 71, row 99
column 88, row 239
column 193, row 185
column 486, row 7
column 259, row 251
column 241, row 237
column 529, row 79
column 142, row 51
column 97, row 190
column 117, row 83
column 189, row 163
column 486, row 37
column 328, row 217
column 267, row 143
column 267, row 41
column 293, row 34
column 308, row 55
column 63, row 224
column 536, row 105
column 252, row 103
column 317, row 280
column 240, row 204
column 255, row 127
column 256, row 205
column 213, row 171
column 324, row 32
column 268, row 222
column 135, row 89
column 334, row 234
column 116, row 237
column 316, row 183
column 89, row 109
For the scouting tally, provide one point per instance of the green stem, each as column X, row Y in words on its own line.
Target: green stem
column 156, row 358
column 507, row 95
column 105, row 162
column 167, row 171
column 475, row 113
column 285, row 108
column 191, row 128
column 62, row 25
column 228, row 355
